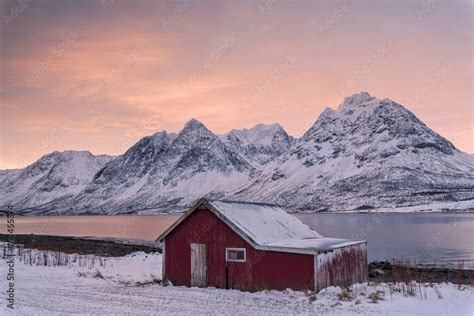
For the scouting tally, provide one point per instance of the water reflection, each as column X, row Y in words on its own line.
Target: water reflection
column 125, row 227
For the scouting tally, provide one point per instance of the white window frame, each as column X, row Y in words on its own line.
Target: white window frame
column 235, row 249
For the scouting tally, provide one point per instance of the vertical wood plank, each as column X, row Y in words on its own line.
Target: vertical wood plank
column 198, row 265
column 163, row 258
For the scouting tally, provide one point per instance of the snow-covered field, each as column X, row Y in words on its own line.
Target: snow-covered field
column 129, row 286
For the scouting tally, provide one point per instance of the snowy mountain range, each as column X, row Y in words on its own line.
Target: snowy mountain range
column 53, row 176
column 369, row 153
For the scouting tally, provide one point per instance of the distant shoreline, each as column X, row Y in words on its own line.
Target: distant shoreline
column 106, row 247
column 364, row 212
column 463, row 207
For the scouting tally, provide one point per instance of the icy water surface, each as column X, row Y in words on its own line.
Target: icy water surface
column 440, row 238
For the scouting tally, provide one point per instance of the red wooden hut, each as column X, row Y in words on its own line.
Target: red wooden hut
column 255, row 246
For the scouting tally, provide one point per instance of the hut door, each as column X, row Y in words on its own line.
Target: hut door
column 198, row 265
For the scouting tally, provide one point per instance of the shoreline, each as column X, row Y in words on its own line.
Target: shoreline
column 378, row 271
column 385, row 271
column 104, row 247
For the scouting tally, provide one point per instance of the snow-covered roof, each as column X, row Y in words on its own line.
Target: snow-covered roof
column 264, row 223
column 314, row 243
column 267, row 227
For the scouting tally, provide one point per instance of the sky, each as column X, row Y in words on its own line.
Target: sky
column 100, row 75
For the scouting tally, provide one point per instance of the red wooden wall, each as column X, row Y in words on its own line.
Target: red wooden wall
column 262, row 270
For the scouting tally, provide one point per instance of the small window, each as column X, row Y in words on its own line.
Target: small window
column 235, row 254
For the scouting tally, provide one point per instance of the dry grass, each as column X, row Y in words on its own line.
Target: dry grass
column 376, row 296
column 311, row 296
column 48, row 258
column 98, row 275
column 345, row 295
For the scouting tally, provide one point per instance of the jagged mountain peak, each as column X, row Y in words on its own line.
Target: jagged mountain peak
column 362, row 120
column 69, row 159
column 199, row 148
column 67, row 154
column 255, row 134
column 161, row 140
column 356, row 99
column 137, row 161
column 264, row 127
column 161, row 134
column 351, row 109
column 147, row 146
column 261, row 143
column 194, row 134
column 53, row 176
column 58, row 158
column 193, row 124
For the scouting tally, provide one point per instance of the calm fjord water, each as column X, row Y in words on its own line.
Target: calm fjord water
column 428, row 238
column 439, row 238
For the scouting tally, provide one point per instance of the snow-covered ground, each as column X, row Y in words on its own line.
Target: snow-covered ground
column 129, row 287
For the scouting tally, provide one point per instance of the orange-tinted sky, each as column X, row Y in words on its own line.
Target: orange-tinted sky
column 99, row 75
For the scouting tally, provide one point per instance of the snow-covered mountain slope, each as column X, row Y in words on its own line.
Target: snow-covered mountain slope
column 6, row 175
column 163, row 171
column 368, row 153
column 259, row 144
column 53, row 176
